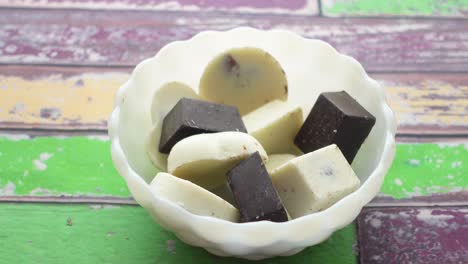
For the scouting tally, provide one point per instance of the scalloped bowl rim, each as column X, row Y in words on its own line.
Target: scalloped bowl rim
column 237, row 238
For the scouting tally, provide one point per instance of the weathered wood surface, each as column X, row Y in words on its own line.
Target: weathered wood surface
column 58, row 98
column 83, row 54
column 72, row 98
column 82, row 167
column 413, row 235
column 394, row 8
column 123, row 234
column 428, row 103
column 124, row 38
column 305, row 7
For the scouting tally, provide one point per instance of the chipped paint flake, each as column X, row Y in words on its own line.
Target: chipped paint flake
column 456, row 164
column 376, row 223
column 38, row 164
column 103, row 206
column 8, row 189
column 45, row 156
column 171, row 246
column 103, row 138
column 40, row 191
column 398, row 182
column 426, row 216
column 14, row 137
column 11, row 48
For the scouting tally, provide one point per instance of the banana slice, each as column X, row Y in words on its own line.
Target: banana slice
column 164, row 99
column 152, row 147
column 192, row 197
column 204, row 159
column 244, row 77
column 275, row 125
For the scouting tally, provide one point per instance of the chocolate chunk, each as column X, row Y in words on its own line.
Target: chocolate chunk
column 253, row 192
column 336, row 118
column 190, row 117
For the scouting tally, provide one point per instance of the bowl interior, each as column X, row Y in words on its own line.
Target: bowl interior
column 311, row 67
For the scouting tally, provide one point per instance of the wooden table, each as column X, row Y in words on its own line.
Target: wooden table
column 61, row 61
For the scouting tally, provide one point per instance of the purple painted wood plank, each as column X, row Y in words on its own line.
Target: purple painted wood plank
column 413, row 235
column 84, row 37
column 305, row 7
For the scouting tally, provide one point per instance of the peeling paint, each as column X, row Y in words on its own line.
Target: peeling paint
column 64, row 103
column 8, row 189
column 45, row 156
column 40, row 191
column 171, row 246
column 376, row 223
column 39, row 165
column 426, row 216
column 103, row 206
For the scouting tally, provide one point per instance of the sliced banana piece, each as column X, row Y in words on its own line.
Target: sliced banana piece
column 244, row 77
column 277, row 160
column 275, row 125
column 164, row 99
column 192, row 197
column 152, row 147
column 225, row 192
column 204, row 159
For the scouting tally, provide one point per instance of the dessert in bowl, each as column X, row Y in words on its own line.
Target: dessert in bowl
column 312, row 67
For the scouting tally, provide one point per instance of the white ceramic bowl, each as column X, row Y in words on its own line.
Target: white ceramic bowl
column 312, row 67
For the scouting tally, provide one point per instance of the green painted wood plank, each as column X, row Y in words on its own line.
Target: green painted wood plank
column 425, row 169
column 435, row 8
column 55, row 166
column 82, row 166
column 122, row 234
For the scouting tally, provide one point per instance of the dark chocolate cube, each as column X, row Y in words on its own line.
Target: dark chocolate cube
column 253, row 192
column 190, row 117
column 336, row 118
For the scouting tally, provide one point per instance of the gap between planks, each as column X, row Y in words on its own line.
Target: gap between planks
column 379, row 44
column 102, row 133
column 440, row 200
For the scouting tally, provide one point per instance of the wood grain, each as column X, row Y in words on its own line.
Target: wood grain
column 306, row 7
column 71, row 98
column 416, row 235
column 124, row 38
column 124, row 234
column 412, row 8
